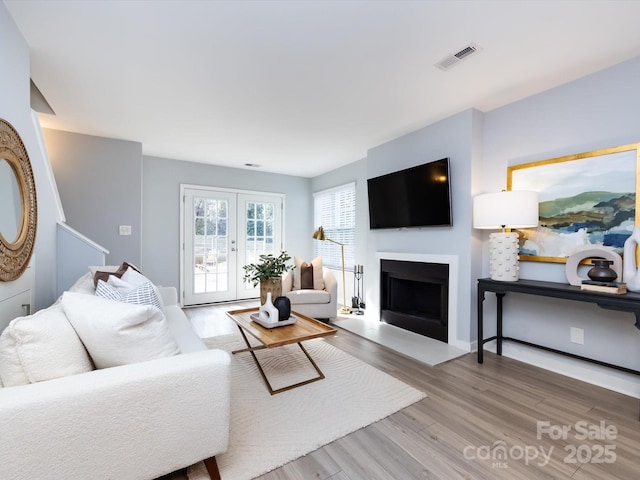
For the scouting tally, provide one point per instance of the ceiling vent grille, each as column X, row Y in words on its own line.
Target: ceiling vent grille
column 450, row 60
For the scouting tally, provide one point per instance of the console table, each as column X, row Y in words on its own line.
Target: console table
column 628, row 302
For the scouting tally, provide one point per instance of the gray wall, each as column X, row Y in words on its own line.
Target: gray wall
column 100, row 184
column 161, row 209
column 354, row 172
column 455, row 137
column 598, row 111
column 15, row 108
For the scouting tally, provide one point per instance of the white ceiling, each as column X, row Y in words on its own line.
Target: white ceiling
column 302, row 87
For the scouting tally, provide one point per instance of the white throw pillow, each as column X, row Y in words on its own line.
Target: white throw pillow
column 42, row 346
column 144, row 294
column 117, row 333
column 136, row 278
column 318, row 277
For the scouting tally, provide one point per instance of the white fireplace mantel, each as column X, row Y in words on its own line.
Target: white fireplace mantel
column 452, row 261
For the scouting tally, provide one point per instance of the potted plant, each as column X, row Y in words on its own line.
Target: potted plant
column 268, row 273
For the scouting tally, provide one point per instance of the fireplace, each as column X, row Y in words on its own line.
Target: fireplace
column 415, row 296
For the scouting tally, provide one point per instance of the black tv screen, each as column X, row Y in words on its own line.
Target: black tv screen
column 415, row 197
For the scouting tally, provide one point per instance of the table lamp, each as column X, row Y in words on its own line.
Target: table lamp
column 505, row 210
column 319, row 235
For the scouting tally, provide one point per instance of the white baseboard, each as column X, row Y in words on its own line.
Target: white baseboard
column 618, row 381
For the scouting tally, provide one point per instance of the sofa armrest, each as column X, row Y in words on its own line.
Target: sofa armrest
column 135, row 421
column 169, row 295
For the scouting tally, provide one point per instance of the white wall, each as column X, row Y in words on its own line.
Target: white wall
column 15, row 108
column 598, row 111
column 161, row 209
column 354, row 172
column 455, row 137
column 106, row 175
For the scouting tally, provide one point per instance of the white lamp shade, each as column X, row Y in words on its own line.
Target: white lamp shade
column 506, row 209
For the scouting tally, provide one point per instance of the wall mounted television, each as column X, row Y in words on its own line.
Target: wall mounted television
column 419, row 196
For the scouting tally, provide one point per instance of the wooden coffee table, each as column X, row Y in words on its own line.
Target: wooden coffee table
column 305, row 328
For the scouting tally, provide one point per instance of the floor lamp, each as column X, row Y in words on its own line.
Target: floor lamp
column 319, row 235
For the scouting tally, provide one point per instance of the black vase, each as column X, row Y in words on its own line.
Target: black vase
column 283, row 304
column 601, row 271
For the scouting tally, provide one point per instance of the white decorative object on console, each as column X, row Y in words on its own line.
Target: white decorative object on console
column 630, row 273
column 590, row 251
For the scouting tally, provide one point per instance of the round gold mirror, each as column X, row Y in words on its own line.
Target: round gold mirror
column 18, row 215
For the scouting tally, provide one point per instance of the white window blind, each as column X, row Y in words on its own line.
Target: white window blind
column 335, row 211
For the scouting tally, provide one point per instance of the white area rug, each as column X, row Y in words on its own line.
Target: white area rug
column 269, row 431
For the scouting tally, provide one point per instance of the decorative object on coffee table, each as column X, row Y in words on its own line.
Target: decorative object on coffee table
column 283, row 304
column 268, row 273
column 268, row 313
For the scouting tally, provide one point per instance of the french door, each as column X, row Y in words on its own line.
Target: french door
column 223, row 230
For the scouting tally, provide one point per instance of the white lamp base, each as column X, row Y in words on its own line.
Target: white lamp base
column 503, row 256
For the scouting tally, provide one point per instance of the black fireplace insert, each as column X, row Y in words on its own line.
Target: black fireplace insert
column 415, row 296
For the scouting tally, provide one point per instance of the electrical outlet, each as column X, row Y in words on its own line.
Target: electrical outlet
column 125, row 229
column 576, row 335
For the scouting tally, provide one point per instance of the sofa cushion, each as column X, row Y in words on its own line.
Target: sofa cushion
column 42, row 346
column 298, row 297
column 121, row 291
column 83, row 285
column 318, row 279
column 117, row 333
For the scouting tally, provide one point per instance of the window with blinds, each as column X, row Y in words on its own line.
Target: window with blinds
column 335, row 211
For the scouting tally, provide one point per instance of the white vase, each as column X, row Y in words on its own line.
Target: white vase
column 630, row 273
column 268, row 312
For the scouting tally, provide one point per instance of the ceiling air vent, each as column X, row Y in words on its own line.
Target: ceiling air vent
column 451, row 60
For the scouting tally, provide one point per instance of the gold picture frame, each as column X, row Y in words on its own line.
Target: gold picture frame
column 15, row 252
column 586, row 199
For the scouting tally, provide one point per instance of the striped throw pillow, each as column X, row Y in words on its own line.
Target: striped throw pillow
column 143, row 294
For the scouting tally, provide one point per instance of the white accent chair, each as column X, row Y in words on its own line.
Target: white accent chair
column 313, row 303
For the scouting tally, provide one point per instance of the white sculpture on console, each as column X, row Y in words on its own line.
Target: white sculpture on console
column 591, row 251
column 630, row 272
column 268, row 312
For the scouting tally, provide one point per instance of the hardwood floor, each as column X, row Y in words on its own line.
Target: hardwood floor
column 472, row 414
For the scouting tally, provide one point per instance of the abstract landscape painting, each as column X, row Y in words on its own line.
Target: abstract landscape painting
column 585, row 200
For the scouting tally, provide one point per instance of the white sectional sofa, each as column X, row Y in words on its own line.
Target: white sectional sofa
column 133, row 421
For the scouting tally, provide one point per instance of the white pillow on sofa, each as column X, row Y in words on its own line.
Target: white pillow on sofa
column 135, row 278
column 42, row 346
column 121, row 291
column 116, row 333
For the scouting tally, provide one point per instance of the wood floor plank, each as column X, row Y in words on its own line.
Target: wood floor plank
column 469, row 407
